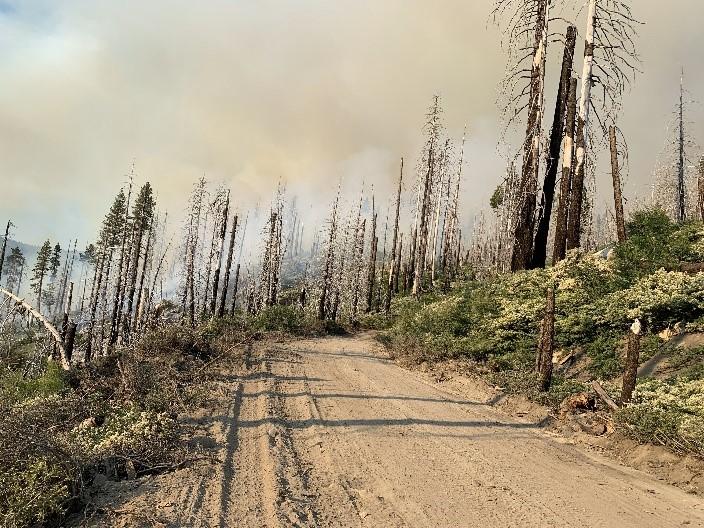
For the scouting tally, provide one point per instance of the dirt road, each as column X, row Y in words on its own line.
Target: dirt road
column 330, row 433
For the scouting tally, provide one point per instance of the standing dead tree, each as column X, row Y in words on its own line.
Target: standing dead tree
column 630, row 372
column 546, row 344
column 527, row 23
column 610, row 63
column 373, row 248
column 427, row 171
column 563, row 205
column 553, row 158
column 221, row 250
column 4, row 245
column 329, row 262
column 228, row 266
column 618, row 191
column 393, row 268
column 190, row 249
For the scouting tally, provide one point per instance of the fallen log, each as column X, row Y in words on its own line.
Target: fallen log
column 604, row 396
column 691, row 267
column 65, row 363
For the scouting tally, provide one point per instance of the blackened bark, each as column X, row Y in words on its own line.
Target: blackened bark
column 216, row 275
column 553, row 160
column 618, row 194
column 574, row 222
column 228, row 266
column 560, row 241
column 630, row 373
column 545, row 348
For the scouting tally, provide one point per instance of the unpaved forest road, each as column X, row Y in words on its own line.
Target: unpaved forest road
column 329, row 433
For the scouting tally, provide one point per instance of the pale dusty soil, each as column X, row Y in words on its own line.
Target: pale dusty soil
column 331, row 433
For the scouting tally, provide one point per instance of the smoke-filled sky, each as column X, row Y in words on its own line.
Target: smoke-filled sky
column 250, row 92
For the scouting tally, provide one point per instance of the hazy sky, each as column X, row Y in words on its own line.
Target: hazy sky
column 251, row 91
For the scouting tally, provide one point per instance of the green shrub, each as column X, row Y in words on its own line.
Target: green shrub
column 605, row 356
column 655, row 242
column 669, row 413
column 32, row 494
column 14, row 387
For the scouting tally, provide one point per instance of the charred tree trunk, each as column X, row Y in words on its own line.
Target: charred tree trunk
column 120, row 268
column 94, row 303
column 4, row 246
column 553, row 161
column 545, row 348
column 563, row 206
column 216, row 275
column 234, row 289
column 371, row 275
column 574, row 230
column 630, row 373
column 422, row 236
column 393, row 271
column 67, row 312
column 398, row 267
column 138, row 303
column 618, row 194
column 681, row 187
column 523, row 233
column 228, row 266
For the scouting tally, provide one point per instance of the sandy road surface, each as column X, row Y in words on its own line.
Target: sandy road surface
column 329, row 433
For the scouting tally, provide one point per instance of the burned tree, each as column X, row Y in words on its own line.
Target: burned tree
column 618, row 192
column 373, row 248
column 527, row 22
column 221, row 250
column 329, row 263
column 393, row 268
column 228, row 267
column 39, row 272
column 563, row 206
column 546, row 343
column 190, row 250
column 553, row 158
column 610, row 62
column 4, row 245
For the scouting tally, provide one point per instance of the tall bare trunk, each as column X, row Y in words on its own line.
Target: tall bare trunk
column 681, row 188
column 371, row 276
column 4, row 246
column 138, row 303
column 630, row 373
column 553, row 161
column 525, row 224
column 393, row 271
column 563, row 206
column 221, row 250
column 234, row 289
column 228, row 266
column 574, row 230
column 422, row 235
column 618, row 195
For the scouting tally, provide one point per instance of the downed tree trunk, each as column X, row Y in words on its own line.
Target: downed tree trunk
column 49, row 327
column 604, row 396
column 691, row 267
